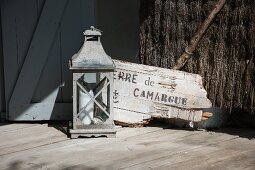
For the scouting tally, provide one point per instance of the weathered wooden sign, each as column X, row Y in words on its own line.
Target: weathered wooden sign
column 141, row 92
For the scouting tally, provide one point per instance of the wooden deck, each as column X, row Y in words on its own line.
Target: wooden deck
column 45, row 146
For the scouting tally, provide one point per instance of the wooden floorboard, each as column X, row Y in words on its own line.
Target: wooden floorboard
column 5, row 128
column 43, row 146
column 172, row 151
column 136, row 150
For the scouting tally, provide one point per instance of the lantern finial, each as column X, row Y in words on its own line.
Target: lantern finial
column 95, row 29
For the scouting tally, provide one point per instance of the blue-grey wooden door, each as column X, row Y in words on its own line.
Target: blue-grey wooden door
column 39, row 37
column 2, row 108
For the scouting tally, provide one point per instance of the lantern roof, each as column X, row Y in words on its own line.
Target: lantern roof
column 92, row 56
column 92, row 31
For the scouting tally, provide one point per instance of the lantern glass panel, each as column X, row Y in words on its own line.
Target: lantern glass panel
column 93, row 91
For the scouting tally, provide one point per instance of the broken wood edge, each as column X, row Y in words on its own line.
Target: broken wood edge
column 207, row 114
column 205, row 117
column 143, row 124
column 133, row 125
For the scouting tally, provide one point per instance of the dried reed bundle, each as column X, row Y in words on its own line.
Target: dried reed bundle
column 225, row 57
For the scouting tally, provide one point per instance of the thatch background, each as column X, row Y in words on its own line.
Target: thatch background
column 225, row 56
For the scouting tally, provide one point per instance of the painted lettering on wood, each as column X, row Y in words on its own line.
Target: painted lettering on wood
column 143, row 92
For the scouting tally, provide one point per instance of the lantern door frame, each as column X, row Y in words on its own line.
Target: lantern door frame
column 107, row 128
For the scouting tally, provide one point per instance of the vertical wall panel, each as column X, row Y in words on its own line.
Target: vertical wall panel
column 50, row 78
column 34, row 64
column 2, row 108
column 88, row 13
column 37, row 94
column 79, row 16
column 19, row 19
column 119, row 21
column 9, row 46
column 26, row 21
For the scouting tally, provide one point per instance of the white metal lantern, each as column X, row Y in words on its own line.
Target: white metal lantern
column 92, row 89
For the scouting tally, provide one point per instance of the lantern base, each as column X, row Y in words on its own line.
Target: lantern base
column 76, row 133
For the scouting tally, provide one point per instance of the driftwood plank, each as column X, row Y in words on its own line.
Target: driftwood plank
column 145, row 90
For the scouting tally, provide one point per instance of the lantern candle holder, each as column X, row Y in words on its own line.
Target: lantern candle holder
column 92, row 71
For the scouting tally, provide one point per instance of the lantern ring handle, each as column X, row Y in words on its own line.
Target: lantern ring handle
column 95, row 29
